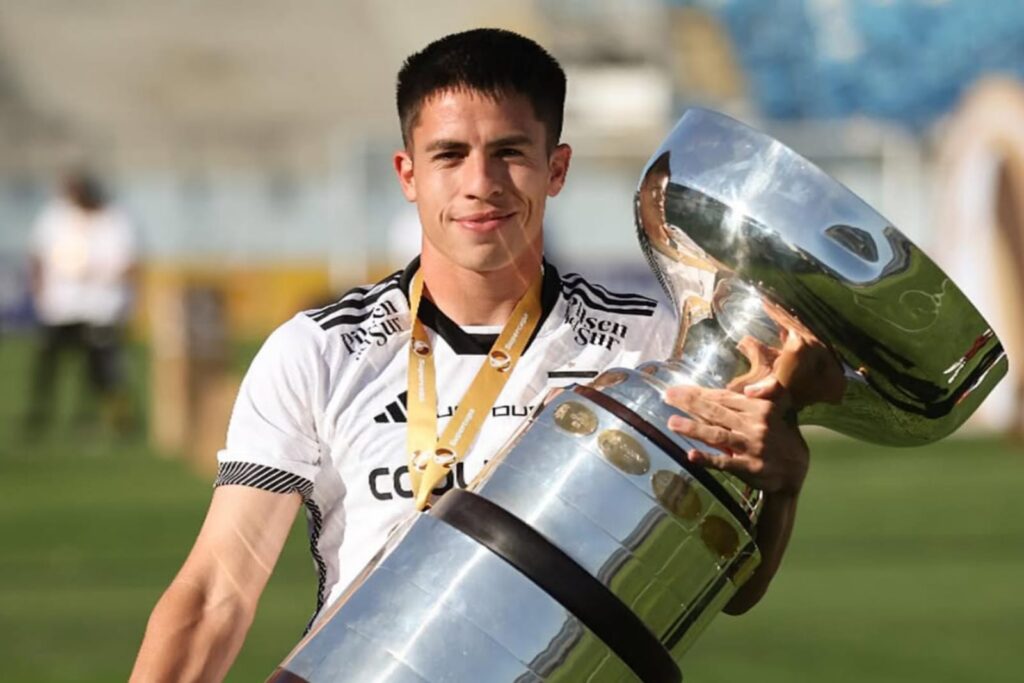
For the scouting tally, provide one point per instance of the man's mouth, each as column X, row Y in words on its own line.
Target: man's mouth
column 485, row 220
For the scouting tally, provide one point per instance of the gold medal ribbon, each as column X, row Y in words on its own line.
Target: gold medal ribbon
column 431, row 457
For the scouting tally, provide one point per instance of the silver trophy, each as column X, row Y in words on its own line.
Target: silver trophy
column 629, row 551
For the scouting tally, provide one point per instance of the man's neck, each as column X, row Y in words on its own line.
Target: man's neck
column 469, row 297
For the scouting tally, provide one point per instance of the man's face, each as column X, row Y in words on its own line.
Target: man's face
column 480, row 172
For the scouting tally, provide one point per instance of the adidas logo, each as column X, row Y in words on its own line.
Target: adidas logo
column 394, row 411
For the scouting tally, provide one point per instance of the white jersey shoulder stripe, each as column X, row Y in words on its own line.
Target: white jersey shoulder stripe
column 609, row 296
column 354, row 306
column 593, row 299
column 356, row 297
column 350, row 295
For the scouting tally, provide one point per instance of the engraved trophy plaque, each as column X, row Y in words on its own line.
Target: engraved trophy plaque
column 612, row 571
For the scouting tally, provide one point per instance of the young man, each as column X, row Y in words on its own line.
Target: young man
column 322, row 415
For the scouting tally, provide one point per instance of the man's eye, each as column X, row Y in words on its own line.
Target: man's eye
column 447, row 156
column 509, row 152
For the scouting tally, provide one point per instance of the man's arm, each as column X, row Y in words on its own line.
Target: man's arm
column 774, row 527
column 764, row 448
column 200, row 622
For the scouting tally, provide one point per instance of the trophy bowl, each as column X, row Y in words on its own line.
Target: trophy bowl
column 613, row 571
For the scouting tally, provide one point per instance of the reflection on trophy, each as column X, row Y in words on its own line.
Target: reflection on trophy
column 630, row 550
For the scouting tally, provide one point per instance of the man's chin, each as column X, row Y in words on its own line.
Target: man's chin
column 484, row 257
column 486, row 261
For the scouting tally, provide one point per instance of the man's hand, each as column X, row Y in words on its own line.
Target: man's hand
column 762, row 445
column 756, row 430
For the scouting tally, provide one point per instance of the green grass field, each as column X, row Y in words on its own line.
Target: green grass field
column 906, row 565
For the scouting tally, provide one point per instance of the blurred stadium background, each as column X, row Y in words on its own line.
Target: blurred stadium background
column 251, row 143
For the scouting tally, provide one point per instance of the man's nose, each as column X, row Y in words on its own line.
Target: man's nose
column 485, row 177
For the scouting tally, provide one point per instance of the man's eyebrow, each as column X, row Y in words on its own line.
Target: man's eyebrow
column 446, row 145
column 511, row 141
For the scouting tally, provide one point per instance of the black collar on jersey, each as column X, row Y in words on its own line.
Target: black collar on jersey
column 468, row 343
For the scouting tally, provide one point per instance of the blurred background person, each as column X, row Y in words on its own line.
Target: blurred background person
column 82, row 265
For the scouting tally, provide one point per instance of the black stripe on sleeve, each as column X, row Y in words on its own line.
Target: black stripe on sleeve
column 316, row 525
column 357, row 302
column 608, row 296
column 345, row 320
column 349, row 298
column 590, row 299
column 262, row 477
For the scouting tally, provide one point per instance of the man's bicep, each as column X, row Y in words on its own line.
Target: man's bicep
column 198, row 626
column 240, row 541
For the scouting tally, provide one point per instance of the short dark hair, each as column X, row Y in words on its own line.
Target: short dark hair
column 83, row 189
column 492, row 61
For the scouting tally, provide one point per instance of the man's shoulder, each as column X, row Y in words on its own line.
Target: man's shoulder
column 587, row 293
column 618, row 321
column 364, row 316
column 357, row 305
column 53, row 216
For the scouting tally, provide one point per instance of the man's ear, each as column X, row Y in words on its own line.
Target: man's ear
column 402, row 161
column 558, row 167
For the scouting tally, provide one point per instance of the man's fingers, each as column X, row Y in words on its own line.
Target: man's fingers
column 714, row 436
column 729, row 409
column 716, row 406
column 735, row 464
column 735, row 401
column 768, row 389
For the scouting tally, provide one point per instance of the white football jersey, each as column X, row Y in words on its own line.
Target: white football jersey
column 322, row 409
column 84, row 258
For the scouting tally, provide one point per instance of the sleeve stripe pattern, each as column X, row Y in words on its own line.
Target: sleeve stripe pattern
column 357, row 299
column 278, row 481
column 263, row 478
column 601, row 301
column 360, row 300
column 608, row 296
column 316, row 524
column 351, row 319
column 351, row 298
